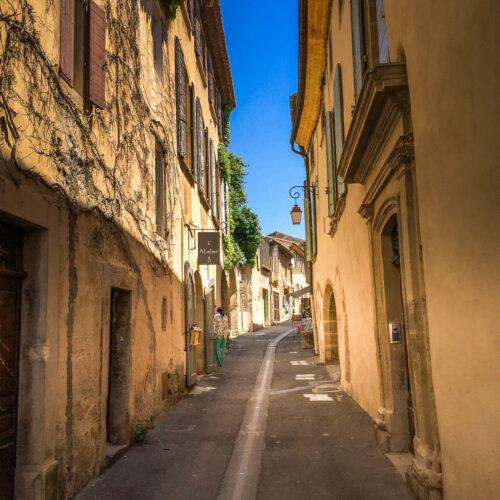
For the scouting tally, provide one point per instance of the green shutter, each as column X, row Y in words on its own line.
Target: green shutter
column 358, row 50
column 307, row 219
column 314, row 235
column 329, row 163
column 338, row 114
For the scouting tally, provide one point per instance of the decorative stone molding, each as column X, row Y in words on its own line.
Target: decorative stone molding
column 383, row 101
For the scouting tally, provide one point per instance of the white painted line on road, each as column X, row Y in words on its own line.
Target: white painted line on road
column 299, row 363
column 242, row 474
column 318, row 397
column 305, row 376
column 283, row 391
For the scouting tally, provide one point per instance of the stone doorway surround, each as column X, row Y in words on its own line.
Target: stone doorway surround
column 379, row 154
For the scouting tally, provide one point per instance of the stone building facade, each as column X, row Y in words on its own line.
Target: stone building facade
column 110, row 120
column 396, row 120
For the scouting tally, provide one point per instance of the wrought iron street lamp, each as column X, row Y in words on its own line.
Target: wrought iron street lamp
column 296, row 212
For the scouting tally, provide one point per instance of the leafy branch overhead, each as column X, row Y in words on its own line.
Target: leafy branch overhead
column 244, row 238
column 171, row 6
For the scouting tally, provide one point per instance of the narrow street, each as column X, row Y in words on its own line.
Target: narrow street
column 222, row 441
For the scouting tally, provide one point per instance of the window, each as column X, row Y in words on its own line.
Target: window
column 200, row 150
column 83, row 49
column 206, row 147
column 160, row 190
column 157, row 36
column 185, row 111
column 164, row 314
column 383, row 49
column 358, row 45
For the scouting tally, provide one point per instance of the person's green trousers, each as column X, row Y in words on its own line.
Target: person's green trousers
column 220, row 350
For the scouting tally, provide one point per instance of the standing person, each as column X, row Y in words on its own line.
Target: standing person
column 220, row 327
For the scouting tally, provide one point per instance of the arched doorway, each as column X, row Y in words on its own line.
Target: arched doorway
column 209, row 333
column 330, row 329
column 200, row 320
column 190, row 319
column 402, row 425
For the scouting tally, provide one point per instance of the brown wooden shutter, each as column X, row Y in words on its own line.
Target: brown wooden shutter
column 180, row 86
column 213, row 180
column 211, row 93
column 96, row 76
column 330, row 165
column 67, row 41
column 192, row 131
column 160, row 190
column 217, row 186
column 200, row 127
column 358, row 44
column 218, row 109
column 197, row 28
column 383, row 48
column 191, row 12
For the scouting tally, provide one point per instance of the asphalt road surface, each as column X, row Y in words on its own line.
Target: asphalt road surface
column 271, row 424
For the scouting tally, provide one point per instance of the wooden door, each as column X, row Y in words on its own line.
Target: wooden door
column 209, row 330
column 10, row 307
column 191, row 370
column 276, row 304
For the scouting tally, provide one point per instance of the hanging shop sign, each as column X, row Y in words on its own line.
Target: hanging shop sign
column 209, row 248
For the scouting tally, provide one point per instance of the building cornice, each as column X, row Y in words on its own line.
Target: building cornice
column 216, row 41
column 313, row 31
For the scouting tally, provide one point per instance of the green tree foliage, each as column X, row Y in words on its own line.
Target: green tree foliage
column 244, row 238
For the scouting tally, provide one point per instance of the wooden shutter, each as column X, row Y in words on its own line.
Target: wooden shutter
column 330, row 165
column 191, row 12
column 197, row 28
column 96, row 76
column 314, row 236
column 160, row 190
column 307, row 221
column 193, row 157
column 67, row 41
column 383, row 48
column 217, row 186
column 200, row 127
column 213, row 180
column 358, row 44
column 211, row 93
column 218, row 109
column 180, row 86
column 338, row 114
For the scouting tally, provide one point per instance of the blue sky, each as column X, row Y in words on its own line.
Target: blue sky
column 262, row 44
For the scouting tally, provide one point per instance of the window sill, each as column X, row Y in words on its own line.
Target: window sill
column 187, row 171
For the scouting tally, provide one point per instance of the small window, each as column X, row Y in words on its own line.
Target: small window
column 160, row 190
column 157, row 35
column 164, row 314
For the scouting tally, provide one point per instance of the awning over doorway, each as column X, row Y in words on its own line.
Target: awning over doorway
column 302, row 291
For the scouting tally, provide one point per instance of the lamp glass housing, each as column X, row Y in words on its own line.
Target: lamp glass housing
column 296, row 214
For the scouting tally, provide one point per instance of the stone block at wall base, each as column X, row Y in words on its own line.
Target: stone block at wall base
column 37, row 483
column 307, row 339
column 421, row 487
column 383, row 439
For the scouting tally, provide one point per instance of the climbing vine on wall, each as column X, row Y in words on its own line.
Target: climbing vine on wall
column 171, row 6
column 98, row 160
column 244, row 236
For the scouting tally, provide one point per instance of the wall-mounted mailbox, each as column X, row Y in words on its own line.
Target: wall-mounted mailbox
column 395, row 333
